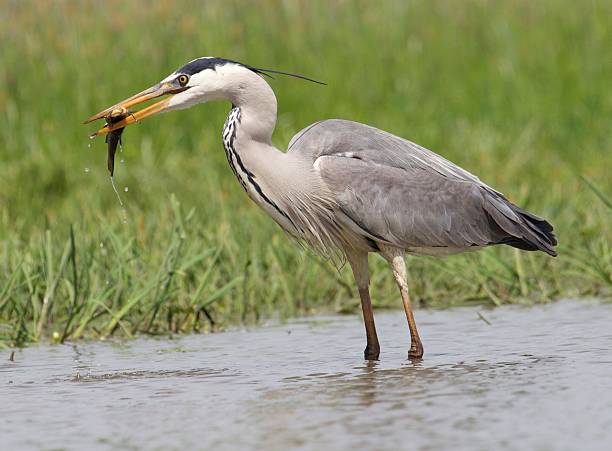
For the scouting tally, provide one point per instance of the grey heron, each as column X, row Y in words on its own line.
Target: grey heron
column 346, row 188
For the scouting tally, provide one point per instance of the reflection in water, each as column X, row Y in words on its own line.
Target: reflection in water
column 433, row 400
column 545, row 385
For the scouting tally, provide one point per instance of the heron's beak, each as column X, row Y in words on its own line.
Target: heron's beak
column 160, row 89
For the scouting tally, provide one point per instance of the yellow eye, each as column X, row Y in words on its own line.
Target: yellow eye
column 183, row 79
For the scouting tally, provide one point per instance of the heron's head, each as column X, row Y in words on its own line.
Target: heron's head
column 198, row 81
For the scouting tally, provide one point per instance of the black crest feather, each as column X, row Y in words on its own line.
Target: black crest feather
column 201, row 64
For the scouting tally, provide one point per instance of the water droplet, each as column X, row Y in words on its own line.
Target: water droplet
column 126, row 189
column 86, row 169
column 108, row 282
column 89, row 145
column 122, row 160
column 101, row 244
column 123, row 209
column 116, row 192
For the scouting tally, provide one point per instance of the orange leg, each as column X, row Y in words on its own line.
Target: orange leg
column 395, row 257
column 359, row 264
column 372, row 350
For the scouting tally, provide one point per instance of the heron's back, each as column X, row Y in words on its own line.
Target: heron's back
column 397, row 192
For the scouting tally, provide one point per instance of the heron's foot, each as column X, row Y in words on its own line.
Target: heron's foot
column 371, row 352
column 416, row 351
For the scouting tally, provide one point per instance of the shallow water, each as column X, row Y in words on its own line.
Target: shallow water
column 536, row 378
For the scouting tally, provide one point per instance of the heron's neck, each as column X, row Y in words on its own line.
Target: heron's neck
column 283, row 184
column 247, row 133
column 257, row 103
column 262, row 169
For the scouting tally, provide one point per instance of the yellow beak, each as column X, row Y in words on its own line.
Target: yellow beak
column 160, row 89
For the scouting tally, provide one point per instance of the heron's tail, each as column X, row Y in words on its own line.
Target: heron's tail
column 524, row 230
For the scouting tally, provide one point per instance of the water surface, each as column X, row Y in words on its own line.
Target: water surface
column 534, row 378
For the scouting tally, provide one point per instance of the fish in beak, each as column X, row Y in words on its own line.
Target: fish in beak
column 127, row 117
column 119, row 116
column 114, row 137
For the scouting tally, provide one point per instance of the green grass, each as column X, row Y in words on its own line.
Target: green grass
column 517, row 92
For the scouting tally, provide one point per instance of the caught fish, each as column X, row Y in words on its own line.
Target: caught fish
column 113, row 139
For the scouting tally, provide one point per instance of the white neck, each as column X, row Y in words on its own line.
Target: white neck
column 262, row 170
column 285, row 185
column 251, row 121
column 258, row 107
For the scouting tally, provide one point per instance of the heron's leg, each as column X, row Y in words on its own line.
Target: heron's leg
column 395, row 257
column 359, row 264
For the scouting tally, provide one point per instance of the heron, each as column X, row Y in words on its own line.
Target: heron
column 345, row 188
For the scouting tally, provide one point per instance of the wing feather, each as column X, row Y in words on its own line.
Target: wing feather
column 346, row 138
column 406, row 195
column 409, row 208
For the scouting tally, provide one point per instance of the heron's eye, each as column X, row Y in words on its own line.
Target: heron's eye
column 183, row 79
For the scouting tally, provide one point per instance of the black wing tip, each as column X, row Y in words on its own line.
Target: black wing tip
column 539, row 233
column 523, row 229
column 528, row 245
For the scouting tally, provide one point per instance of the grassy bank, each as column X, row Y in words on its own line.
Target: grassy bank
column 517, row 92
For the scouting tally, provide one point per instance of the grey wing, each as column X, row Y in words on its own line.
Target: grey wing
column 340, row 137
column 403, row 194
column 409, row 209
